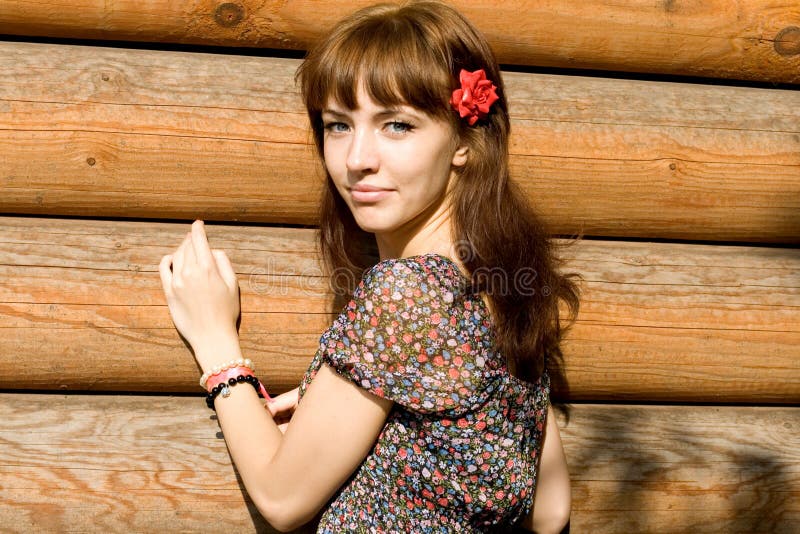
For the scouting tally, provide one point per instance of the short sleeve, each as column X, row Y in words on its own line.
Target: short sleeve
column 403, row 337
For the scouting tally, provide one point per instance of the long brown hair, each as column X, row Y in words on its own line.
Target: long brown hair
column 412, row 54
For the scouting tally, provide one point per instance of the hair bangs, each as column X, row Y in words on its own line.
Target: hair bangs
column 392, row 59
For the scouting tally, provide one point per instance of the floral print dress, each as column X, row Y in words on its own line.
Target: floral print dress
column 460, row 448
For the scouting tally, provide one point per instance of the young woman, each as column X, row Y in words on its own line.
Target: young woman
column 426, row 407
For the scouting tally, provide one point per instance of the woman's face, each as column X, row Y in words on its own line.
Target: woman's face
column 392, row 166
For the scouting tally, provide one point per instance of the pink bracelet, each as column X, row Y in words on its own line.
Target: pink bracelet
column 241, row 362
column 223, row 377
column 227, row 374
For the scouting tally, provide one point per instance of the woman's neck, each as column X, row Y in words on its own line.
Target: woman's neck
column 433, row 234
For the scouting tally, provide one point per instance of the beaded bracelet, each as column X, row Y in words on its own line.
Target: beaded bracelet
column 224, row 376
column 224, row 388
column 241, row 362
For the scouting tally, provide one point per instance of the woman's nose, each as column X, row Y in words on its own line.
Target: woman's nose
column 363, row 154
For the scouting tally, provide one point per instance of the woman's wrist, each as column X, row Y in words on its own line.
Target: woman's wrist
column 217, row 351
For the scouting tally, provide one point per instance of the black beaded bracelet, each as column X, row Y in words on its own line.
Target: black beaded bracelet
column 224, row 389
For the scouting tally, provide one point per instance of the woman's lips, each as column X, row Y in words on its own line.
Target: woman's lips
column 367, row 193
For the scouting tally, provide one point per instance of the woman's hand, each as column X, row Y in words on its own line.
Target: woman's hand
column 203, row 297
column 282, row 407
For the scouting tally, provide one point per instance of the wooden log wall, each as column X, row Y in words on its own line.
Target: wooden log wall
column 106, row 463
column 683, row 364
column 740, row 39
column 660, row 321
column 89, row 129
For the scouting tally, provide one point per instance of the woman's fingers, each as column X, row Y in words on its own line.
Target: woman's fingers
column 189, row 257
column 285, row 402
column 165, row 271
column 200, row 248
column 276, row 406
column 195, row 250
column 203, row 304
column 225, row 268
column 178, row 258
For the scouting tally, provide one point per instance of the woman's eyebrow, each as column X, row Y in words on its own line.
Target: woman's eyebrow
column 389, row 112
column 406, row 111
column 381, row 114
column 334, row 113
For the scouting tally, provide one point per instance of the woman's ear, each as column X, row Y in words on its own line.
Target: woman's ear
column 460, row 156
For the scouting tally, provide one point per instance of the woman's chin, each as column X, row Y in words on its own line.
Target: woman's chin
column 374, row 225
column 372, row 228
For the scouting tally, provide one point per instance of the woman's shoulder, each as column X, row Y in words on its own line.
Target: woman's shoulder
column 431, row 269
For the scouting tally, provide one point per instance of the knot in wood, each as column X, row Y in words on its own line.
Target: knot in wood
column 90, row 161
column 787, row 42
column 228, row 14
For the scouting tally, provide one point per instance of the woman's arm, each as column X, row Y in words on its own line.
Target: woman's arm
column 330, row 434
column 552, row 501
column 289, row 476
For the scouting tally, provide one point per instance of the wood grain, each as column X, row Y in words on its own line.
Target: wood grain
column 684, row 469
column 136, row 133
column 118, row 464
column 751, row 40
column 90, row 463
column 82, row 300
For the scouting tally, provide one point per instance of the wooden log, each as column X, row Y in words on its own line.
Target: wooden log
column 135, row 133
column 135, row 464
column 750, row 40
column 118, row 464
column 82, row 301
column 684, row 469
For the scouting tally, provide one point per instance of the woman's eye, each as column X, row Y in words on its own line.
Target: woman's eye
column 399, row 127
column 336, row 127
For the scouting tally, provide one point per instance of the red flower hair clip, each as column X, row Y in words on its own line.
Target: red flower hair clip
column 475, row 96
